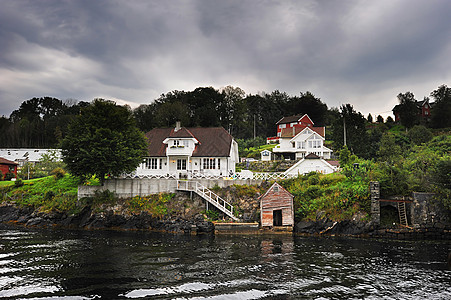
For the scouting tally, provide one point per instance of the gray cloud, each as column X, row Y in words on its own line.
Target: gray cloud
column 358, row 52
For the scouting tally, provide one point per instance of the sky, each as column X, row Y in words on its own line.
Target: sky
column 360, row 52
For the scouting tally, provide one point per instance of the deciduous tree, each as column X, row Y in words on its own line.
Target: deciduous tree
column 103, row 140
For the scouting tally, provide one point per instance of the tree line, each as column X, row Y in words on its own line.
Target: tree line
column 43, row 122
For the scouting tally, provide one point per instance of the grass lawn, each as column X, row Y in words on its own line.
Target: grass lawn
column 8, row 183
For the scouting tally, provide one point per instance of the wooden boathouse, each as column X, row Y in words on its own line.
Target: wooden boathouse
column 276, row 207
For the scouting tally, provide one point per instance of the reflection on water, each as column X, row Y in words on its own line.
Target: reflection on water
column 45, row 264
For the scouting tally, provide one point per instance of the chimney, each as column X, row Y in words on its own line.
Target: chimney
column 177, row 126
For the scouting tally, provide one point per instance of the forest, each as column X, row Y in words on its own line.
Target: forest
column 43, row 122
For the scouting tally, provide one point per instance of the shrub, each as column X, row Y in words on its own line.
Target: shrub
column 9, row 176
column 58, row 173
column 18, row 183
column 101, row 197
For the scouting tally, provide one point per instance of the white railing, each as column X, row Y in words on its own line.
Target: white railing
column 263, row 176
column 208, row 195
column 149, row 176
column 235, row 176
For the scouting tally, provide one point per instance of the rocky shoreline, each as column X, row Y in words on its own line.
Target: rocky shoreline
column 88, row 219
column 91, row 220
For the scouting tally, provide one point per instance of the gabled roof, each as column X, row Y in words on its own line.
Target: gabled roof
column 312, row 156
column 213, row 141
column 181, row 133
column 270, row 189
column 291, row 119
column 4, row 161
column 294, row 131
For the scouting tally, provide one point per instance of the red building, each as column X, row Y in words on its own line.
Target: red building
column 7, row 166
column 424, row 110
column 292, row 125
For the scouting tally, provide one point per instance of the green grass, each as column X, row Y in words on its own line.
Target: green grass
column 254, row 152
column 48, row 193
column 11, row 183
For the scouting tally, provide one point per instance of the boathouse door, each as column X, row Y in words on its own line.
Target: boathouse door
column 277, row 217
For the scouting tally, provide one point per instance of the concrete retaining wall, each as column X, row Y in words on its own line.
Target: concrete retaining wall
column 125, row 188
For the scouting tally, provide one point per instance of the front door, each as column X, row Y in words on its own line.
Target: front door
column 277, row 217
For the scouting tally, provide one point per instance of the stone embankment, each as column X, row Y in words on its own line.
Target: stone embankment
column 371, row 230
column 88, row 219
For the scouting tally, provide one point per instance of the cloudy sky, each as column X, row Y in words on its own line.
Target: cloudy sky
column 358, row 52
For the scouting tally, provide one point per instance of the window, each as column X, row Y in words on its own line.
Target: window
column 181, row 164
column 301, row 145
column 151, row 163
column 185, row 143
column 209, row 163
column 219, row 163
column 161, row 163
column 276, row 189
column 176, row 142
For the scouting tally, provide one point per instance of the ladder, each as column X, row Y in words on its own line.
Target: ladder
column 208, row 195
column 402, row 214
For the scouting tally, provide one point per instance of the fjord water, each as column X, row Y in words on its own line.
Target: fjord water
column 61, row 264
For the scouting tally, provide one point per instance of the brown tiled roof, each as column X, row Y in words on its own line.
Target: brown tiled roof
column 334, row 163
column 288, row 132
column 213, row 141
column 181, row 133
column 5, row 161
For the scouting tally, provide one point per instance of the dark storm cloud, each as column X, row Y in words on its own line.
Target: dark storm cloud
column 362, row 52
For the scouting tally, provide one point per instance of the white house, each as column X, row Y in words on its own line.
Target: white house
column 187, row 152
column 298, row 142
column 29, row 155
column 312, row 163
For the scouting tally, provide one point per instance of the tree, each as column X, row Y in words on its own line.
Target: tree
column 419, row 134
column 441, row 111
column 369, row 118
column 389, row 151
column 379, row 119
column 103, row 140
column 353, row 124
column 408, row 111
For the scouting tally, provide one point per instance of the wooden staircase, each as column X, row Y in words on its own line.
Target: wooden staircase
column 208, row 195
column 402, row 214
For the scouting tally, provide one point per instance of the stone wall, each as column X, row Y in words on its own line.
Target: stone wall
column 125, row 188
column 427, row 212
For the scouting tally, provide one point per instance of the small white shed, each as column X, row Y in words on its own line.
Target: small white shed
column 266, row 155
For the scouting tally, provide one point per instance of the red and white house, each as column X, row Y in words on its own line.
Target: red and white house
column 298, row 137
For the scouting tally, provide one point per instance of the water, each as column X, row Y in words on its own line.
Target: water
column 49, row 264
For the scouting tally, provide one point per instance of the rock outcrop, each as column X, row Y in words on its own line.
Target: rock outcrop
column 89, row 219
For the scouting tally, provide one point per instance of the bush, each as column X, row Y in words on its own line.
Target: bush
column 9, row 176
column 18, row 183
column 58, row 173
